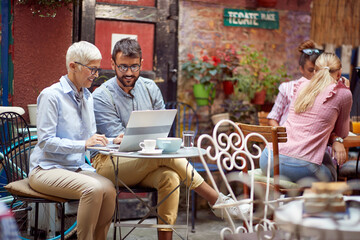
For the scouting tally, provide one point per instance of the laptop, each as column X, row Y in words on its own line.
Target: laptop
column 148, row 124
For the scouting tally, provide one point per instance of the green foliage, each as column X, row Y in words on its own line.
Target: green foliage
column 203, row 70
column 239, row 110
column 218, row 67
column 273, row 81
column 254, row 74
column 229, row 61
column 46, row 8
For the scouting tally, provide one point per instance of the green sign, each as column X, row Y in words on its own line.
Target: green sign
column 248, row 18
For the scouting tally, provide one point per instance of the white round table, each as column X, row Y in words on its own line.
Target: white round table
column 181, row 153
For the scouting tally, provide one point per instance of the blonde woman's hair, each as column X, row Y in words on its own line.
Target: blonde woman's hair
column 325, row 64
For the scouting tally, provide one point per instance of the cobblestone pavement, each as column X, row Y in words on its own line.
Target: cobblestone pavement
column 207, row 227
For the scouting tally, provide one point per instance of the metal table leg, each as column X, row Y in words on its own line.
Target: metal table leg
column 152, row 210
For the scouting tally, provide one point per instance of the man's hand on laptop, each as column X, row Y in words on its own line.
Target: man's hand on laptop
column 96, row 139
column 118, row 139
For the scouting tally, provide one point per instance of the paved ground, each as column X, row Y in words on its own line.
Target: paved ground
column 207, row 227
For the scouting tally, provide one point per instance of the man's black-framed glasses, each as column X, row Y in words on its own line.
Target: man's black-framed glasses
column 311, row 51
column 124, row 68
column 358, row 71
column 93, row 70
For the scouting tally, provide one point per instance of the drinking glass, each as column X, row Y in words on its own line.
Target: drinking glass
column 356, row 124
column 188, row 139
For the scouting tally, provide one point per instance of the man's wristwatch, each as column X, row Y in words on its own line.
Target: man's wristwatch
column 339, row 139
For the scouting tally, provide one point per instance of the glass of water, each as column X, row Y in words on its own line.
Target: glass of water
column 188, row 139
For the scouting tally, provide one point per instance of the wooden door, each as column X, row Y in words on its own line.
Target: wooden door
column 152, row 22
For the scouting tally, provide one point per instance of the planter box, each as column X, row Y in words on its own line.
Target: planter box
column 32, row 113
column 218, row 117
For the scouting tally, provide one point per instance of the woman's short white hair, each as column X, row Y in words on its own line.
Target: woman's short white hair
column 82, row 52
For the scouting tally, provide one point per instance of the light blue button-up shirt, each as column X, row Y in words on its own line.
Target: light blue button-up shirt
column 113, row 106
column 63, row 126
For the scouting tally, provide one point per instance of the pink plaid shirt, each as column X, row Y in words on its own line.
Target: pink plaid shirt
column 308, row 132
column 280, row 110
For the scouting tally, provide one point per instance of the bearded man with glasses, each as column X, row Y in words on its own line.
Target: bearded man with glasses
column 114, row 101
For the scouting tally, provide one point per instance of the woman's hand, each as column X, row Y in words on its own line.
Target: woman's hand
column 345, row 81
column 339, row 152
column 118, row 139
column 96, row 139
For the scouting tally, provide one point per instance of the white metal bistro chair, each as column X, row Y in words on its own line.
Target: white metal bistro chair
column 231, row 152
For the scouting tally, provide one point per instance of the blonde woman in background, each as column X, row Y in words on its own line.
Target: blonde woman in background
column 320, row 107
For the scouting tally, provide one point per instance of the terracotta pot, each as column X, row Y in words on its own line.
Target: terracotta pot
column 259, row 97
column 267, row 3
column 228, row 87
column 267, row 107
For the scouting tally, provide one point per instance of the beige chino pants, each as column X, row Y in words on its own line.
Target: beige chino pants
column 162, row 174
column 97, row 197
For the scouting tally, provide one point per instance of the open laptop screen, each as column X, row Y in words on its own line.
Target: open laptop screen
column 148, row 124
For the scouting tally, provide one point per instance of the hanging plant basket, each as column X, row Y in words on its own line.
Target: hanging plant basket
column 202, row 94
column 228, row 87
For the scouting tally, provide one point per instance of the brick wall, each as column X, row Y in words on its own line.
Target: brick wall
column 40, row 46
column 201, row 29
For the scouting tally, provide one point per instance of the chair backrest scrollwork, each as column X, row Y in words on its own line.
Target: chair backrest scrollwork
column 233, row 152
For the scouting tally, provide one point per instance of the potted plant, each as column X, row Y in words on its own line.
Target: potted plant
column 32, row 108
column 204, row 71
column 255, row 79
column 240, row 110
column 229, row 61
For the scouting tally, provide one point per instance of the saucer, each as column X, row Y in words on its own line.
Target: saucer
column 113, row 146
column 154, row 152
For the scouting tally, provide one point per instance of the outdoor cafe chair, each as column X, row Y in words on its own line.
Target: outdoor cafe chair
column 273, row 135
column 187, row 119
column 262, row 118
column 231, row 153
column 16, row 146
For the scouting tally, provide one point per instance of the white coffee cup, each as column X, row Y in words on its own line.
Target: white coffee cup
column 148, row 145
column 169, row 144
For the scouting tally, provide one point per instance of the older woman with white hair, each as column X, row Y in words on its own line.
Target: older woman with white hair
column 318, row 116
column 66, row 127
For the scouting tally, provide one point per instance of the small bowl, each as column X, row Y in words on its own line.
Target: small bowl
column 169, row 144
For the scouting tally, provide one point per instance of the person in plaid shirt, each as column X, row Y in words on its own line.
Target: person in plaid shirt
column 308, row 55
column 319, row 114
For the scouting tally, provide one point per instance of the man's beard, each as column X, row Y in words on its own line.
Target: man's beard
column 122, row 80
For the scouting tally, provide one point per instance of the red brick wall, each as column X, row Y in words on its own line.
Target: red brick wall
column 201, row 29
column 292, row 5
column 40, row 46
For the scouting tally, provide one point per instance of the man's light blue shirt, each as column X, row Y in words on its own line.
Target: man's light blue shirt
column 63, row 126
column 113, row 106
